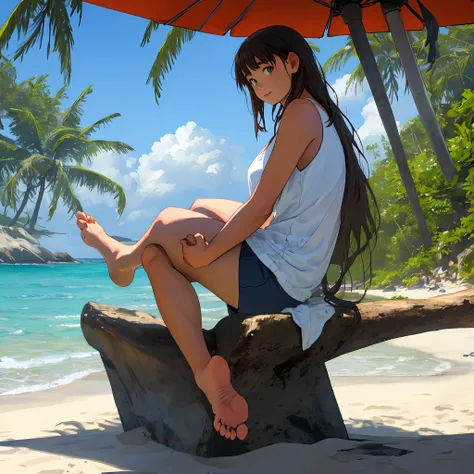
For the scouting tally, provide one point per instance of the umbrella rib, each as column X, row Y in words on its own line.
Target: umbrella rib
column 181, row 13
column 240, row 16
column 212, row 13
column 331, row 14
column 321, row 2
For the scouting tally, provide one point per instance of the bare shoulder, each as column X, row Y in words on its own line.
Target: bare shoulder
column 302, row 113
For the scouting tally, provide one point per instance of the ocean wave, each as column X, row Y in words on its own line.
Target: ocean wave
column 70, row 325
column 18, row 331
column 67, row 316
column 67, row 379
column 11, row 363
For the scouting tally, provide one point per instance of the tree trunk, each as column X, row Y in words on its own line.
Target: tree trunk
column 288, row 390
column 418, row 90
column 34, row 217
column 22, row 206
column 352, row 15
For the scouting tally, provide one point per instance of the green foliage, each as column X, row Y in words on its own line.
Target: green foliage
column 49, row 147
column 451, row 73
column 467, row 268
column 33, row 16
column 447, row 206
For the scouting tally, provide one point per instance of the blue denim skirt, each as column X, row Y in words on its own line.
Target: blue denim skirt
column 259, row 290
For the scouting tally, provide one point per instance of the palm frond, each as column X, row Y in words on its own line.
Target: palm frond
column 166, row 56
column 38, row 12
column 7, row 147
column 26, row 128
column 61, row 94
column 340, row 57
column 19, row 20
column 64, row 190
column 78, row 148
column 7, row 139
column 68, row 145
column 86, row 132
column 33, row 166
column 9, row 191
column 8, row 167
column 150, row 28
column 98, row 146
column 315, row 48
column 55, row 134
column 72, row 115
column 93, row 180
column 356, row 79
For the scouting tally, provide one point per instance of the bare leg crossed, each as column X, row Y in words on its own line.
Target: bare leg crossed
column 159, row 251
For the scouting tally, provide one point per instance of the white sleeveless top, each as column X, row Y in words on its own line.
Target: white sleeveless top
column 297, row 245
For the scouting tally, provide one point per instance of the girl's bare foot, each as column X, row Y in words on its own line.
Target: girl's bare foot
column 94, row 236
column 230, row 408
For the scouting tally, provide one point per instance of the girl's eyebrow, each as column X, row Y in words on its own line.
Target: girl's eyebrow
column 258, row 63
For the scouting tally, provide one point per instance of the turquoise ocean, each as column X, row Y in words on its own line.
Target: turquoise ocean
column 42, row 345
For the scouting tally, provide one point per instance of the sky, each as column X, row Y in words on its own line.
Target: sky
column 198, row 142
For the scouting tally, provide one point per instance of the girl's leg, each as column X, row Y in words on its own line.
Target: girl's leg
column 178, row 304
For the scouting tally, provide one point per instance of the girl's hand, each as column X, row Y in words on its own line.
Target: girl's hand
column 194, row 250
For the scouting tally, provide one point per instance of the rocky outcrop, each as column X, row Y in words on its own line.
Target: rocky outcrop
column 18, row 246
column 289, row 392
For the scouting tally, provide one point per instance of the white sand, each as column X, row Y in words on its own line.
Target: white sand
column 75, row 429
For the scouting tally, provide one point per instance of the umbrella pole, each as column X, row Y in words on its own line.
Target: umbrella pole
column 352, row 16
column 418, row 91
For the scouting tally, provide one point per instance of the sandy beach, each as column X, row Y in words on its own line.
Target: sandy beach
column 426, row 424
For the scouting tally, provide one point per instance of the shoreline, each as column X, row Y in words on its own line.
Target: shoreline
column 422, row 423
column 97, row 384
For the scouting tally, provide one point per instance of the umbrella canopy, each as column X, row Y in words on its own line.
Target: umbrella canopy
column 309, row 17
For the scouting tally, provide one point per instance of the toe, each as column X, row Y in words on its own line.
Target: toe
column 217, row 424
column 222, row 430
column 227, row 433
column 242, row 431
column 233, row 434
column 81, row 224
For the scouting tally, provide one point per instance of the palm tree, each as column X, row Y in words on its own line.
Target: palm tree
column 47, row 153
column 452, row 72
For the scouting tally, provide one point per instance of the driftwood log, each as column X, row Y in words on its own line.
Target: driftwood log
column 288, row 390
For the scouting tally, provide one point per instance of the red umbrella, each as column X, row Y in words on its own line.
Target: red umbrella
column 309, row 17
column 313, row 18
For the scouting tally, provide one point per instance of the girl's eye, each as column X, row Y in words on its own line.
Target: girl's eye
column 264, row 69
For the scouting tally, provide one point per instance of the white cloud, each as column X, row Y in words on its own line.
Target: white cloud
column 192, row 157
column 371, row 132
column 372, row 129
column 137, row 214
column 130, row 162
column 352, row 94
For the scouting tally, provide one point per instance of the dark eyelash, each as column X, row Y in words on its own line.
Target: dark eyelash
column 266, row 67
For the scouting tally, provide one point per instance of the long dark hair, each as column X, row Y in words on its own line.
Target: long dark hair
column 356, row 216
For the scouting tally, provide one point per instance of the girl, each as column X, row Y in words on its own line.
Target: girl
column 307, row 195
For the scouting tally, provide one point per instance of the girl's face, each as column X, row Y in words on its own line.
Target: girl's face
column 272, row 82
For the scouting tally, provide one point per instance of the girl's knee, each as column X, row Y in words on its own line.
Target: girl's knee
column 152, row 253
